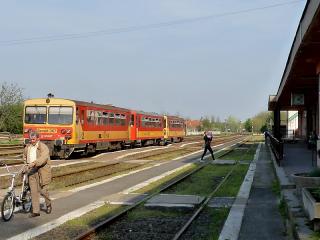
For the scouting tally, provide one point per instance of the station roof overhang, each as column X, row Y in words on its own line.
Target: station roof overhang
column 301, row 74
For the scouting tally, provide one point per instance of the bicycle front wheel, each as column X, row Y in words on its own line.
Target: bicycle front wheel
column 26, row 202
column 7, row 207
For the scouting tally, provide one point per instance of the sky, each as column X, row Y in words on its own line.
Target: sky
column 189, row 57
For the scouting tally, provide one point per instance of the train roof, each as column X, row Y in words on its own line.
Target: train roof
column 105, row 106
column 148, row 113
column 82, row 103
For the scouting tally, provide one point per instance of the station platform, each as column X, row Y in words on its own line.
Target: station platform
column 262, row 207
column 298, row 158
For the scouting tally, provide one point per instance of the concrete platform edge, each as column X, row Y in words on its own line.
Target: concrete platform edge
column 296, row 227
column 232, row 225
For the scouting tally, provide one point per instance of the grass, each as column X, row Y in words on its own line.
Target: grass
column 276, row 188
column 153, row 187
column 315, row 236
column 231, row 187
column 13, row 142
column 210, row 229
column 283, row 209
column 202, row 182
column 72, row 228
column 218, row 218
column 242, row 154
column 142, row 213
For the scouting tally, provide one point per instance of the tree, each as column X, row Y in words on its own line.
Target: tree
column 261, row 119
column 206, row 124
column 11, row 108
column 248, row 125
column 264, row 128
column 233, row 124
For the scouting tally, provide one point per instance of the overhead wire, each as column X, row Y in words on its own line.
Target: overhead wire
column 103, row 32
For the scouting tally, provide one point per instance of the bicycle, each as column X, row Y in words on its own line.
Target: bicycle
column 11, row 200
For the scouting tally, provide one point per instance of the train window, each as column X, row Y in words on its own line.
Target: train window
column 105, row 118
column 132, row 120
column 123, row 120
column 82, row 117
column 77, row 116
column 117, row 119
column 111, row 118
column 99, row 118
column 90, row 117
column 35, row 115
column 60, row 115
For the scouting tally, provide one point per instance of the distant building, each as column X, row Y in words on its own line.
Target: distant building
column 192, row 127
column 293, row 123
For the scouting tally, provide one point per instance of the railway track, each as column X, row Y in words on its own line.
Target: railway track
column 156, row 155
column 97, row 231
column 10, row 150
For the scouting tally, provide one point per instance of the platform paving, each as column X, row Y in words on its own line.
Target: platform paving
column 221, row 202
column 262, row 220
column 124, row 199
column 298, row 158
column 224, row 162
column 174, row 200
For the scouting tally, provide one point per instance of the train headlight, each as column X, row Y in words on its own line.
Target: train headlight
column 63, row 131
column 26, row 130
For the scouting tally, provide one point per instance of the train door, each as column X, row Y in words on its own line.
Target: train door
column 81, row 124
column 165, row 127
column 133, row 126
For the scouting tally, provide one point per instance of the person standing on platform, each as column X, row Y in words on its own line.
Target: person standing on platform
column 36, row 155
column 207, row 144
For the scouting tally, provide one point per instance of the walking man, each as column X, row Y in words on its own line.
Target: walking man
column 36, row 155
column 207, row 145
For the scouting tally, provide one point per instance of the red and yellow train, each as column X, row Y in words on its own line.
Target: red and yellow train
column 68, row 126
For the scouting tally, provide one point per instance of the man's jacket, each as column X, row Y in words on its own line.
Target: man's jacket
column 42, row 163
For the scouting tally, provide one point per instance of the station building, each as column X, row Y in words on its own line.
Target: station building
column 299, row 90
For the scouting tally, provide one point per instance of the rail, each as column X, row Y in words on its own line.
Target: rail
column 276, row 147
column 93, row 231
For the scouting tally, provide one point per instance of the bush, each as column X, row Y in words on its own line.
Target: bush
column 314, row 173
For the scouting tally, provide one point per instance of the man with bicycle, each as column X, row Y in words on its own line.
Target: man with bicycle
column 36, row 155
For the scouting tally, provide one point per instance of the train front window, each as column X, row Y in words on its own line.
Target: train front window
column 60, row 115
column 35, row 115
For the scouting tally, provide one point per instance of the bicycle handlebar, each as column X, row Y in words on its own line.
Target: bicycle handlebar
column 13, row 173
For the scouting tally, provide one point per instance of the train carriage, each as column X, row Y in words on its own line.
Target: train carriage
column 68, row 126
column 146, row 128
column 175, row 129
